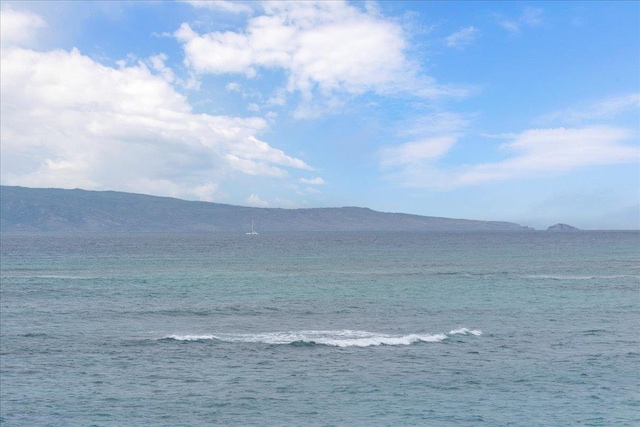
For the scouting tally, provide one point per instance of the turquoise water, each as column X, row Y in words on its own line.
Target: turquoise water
column 326, row 329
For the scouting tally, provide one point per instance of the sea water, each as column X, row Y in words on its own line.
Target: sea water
column 320, row 329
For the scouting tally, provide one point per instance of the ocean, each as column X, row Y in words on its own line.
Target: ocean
column 320, row 329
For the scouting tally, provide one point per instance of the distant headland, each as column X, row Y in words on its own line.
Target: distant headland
column 562, row 227
column 29, row 210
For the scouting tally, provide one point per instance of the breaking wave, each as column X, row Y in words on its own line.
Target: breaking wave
column 342, row 338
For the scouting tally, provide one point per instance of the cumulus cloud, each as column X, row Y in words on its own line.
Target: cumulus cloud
column 255, row 201
column 323, row 48
column 19, row 28
column 462, row 38
column 157, row 62
column 69, row 121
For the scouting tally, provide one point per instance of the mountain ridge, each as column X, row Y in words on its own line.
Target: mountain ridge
column 24, row 209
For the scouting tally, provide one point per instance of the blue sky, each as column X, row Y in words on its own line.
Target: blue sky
column 518, row 111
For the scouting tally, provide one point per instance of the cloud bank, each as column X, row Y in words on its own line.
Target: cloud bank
column 69, row 121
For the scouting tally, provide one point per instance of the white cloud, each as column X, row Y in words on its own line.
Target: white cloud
column 462, row 38
column 558, row 150
column 19, row 28
column 208, row 192
column 234, row 87
column 430, row 138
column 324, row 48
column 222, row 5
column 158, row 64
column 271, row 115
column 436, row 124
column 217, row 52
column 312, row 181
column 68, row 121
column 416, row 151
column 531, row 17
column 254, row 200
column 604, row 109
column 536, row 152
column 278, row 99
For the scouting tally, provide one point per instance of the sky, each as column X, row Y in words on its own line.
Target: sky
column 516, row 111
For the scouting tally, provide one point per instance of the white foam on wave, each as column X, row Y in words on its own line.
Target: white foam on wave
column 465, row 331
column 341, row 338
column 190, row 337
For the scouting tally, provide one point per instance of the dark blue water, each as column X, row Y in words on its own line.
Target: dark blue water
column 460, row 329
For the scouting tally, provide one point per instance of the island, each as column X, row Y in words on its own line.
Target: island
column 562, row 227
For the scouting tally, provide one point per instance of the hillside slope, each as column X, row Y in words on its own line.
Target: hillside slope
column 56, row 210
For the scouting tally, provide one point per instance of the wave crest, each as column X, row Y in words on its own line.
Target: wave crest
column 341, row 338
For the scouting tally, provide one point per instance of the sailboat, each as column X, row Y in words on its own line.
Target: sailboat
column 253, row 232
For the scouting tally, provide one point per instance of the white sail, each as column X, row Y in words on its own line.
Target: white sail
column 253, row 232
